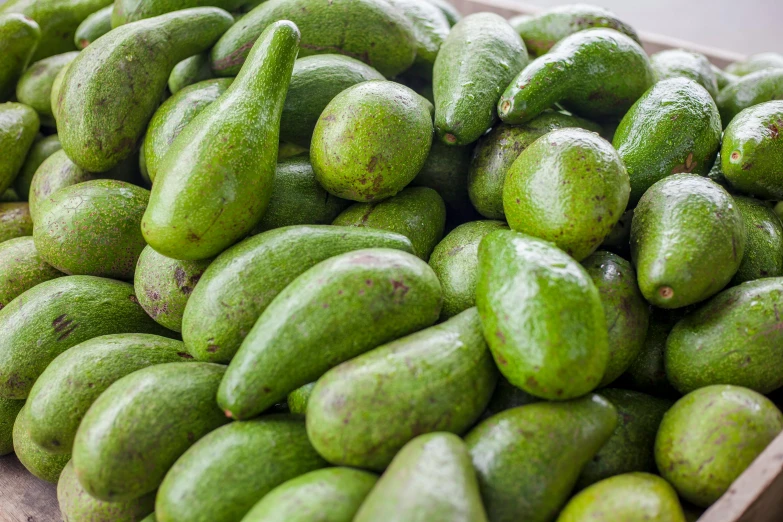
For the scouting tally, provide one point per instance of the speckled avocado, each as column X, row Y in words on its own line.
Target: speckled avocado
column 418, row 213
column 758, row 87
column 528, row 458
column 20, row 37
column 39, row 151
column 568, row 187
column 709, row 437
column 189, row 71
column 687, row 240
column 18, row 128
column 446, row 172
column 552, row 343
column 297, row 400
column 44, row 465
column 647, row 373
column 430, row 479
column 21, row 268
column 597, row 73
column 756, row 62
column 35, row 85
column 15, row 221
column 93, row 27
column 679, row 63
column 480, row 56
column 394, row 290
column 9, row 409
column 362, row 412
column 764, row 247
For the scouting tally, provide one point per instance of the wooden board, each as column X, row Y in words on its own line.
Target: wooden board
column 23, row 497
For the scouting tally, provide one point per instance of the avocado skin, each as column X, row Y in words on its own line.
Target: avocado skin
column 528, row 459
column 647, row 373
column 496, row 151
column 756, row 62
column 19, row 37
column 362, row 412
column 417, row 213
column 568, row 187
column 679, row 63
column 57, row 86
column 632, row 496
column 755, row 88
column 15, row 221
column 596, row 73
column 372, row 31
column 371, row 141
column 541, row 32
column 136, row 429
column 630, row 448
column 21, row 268
column 452, row 13
column 297, row 400
column 687, row 240
column 708, row 438
column 430, row 479
column 40, row 150
column 76, row 505
column 505, row 397
column 241, row 283
column 430, row 29
column 93, row 27
column 550, row 343
column 223, row 475
column 315, row 81
column 34, row 88
column 479, row 58
column 9, row 409
column 446, row 172
column 723, row 78
column 455, row 262
column 127, row 11
column 394, row 291
column 44, row 465
column 58, row 314
column 764, row 248
column 751, row 153
column 104, row 107
column 673, row 128
column 189, row 71
column 19, row 126
column 627, row 313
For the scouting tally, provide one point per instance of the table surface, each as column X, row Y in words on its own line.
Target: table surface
column 23, row 497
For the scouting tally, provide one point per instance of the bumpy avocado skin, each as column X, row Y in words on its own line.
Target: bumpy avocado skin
column 15, row 221
column 35, row 85
column 758, row 87
column 679, row 63
column 189, row 71
column 528, row 459
column 19, row 37
column 764, row 248
column 93, row 27
column 19, row 126
column 755, row 63
column 708, row 438
column 39, row 152
column 430, row 29
column 21, row 268
column 9, row 409
column 41, row 463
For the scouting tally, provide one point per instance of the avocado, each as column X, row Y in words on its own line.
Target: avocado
column 528, row 458
column 371, row 141
column 189, row 71
column 127, row 11
column 15, row 221
column 479, row 58
column 39, row 151
column 44, row 465
column 195, row 214
column 430, row 29
column 447, row 8
column 19, row 126
column 674, row 127
column 118, row 81
column 297, row 400
column 568, row 187
column 723, row 78
column 446, row 172
column 19, row 37
column 431, row 479
column 21, row 268
column 240, row 284
column 157, row 412
column 224, row 474
column 394, row 291
column 287, row 150
column 756, row 62
column 93, row 27
column 647, row 373
column 542, row 316
column 596, row 73
column 619, row 238
column 753, row 89
column 687, row 240
column 56, row 89
column 58, row 314
column 9, row 196
column 716, row 174
column 764, row 247
column 542, row 31
column 9, row 409
column 35, row 85
column 507, row 396
column 625, row 498
column 679, row 63
column 417, row 213
column 751, row 153
column 362, row 412
column 708, row 438
column 315, row 81
column 76, row 505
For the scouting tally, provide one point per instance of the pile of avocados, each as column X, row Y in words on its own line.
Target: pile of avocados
column 374, row 261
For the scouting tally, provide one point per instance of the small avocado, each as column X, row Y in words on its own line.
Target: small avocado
column 35, row 85
column 418, row 213
column 15, row 221
column 93, row 27
column 568, row 187
column 9, row 409
column 528, row 459
column 431, row 479
column 19, row 126
column 764, row 247
column 708, row 438
column 297, row 400
column 679, row 63
column 687, row 240
column 19, row 37
column 189, row 71
column 39, row 151
column 446, row 172
column 756, row 62
column 394, row 291
column 362, row 412
column 44, row 465
column 21, row 268
column 430, row 29
column 753, row 89
column 542, row 316
column 723, row 78
column 647, row 373
column 596, row 73
column 480, row 56
column 625, row 498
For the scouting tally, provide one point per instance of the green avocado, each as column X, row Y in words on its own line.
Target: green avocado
column 723, row 78
column 76, row 505
column 19, row 37
column 528, row 459
column 362, row 412
column 57, row 86
column 9, row 196
column 19, row 126
column 716, row 174
column 679, row 63
column 39, row 151
column 709, row 437
column 371, row 140
column 113, row 87
column 9, row 409
column 35, row 85
column 150, row 518
column 127, row 11
column 417, row 213
column 430, row 29
column 431, row 479
column 764, row 247
column 447, row 8
column 58, row 314
column 479, row 58
column 446, row 172
column 394, row 291
column 21, row 268
column 507, row 396
column 687, row 240
column 189, row 71
column 194, row 213
column 756, row 62
column 596, row 73
column 223, row 475
column 240, row 283
column 297, row 400
column 135, row 431
column 619, row 238
column 93, row 27
column 753, row 89
column 15, row 221
column 44, row 465
column 542, row 316
column 568, row 187
column 647, row 373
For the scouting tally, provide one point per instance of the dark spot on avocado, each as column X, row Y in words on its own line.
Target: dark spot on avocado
column 267, row 389
column 133, row 299
column 399, row 285
column 191, row 436
column 747, row 166
column 185, row 355
column 212, row 348
column 773, row 130
column 372, row 164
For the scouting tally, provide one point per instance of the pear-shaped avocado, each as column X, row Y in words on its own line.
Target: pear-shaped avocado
column 756, row 62
column 35, row 85
column 41, row 463
column 679, row 63
column 15, row 221
column 9, row 409
column 755, row 88
column 39, row 152
column 764, row 247
column 19, row 37
column 93, row 27
column 19, row 126
column 21, row 268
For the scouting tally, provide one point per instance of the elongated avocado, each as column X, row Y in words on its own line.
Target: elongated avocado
column 19, row 125
column 93, row 27
column 19, row 37
column 35, row 85
column 41, row 463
